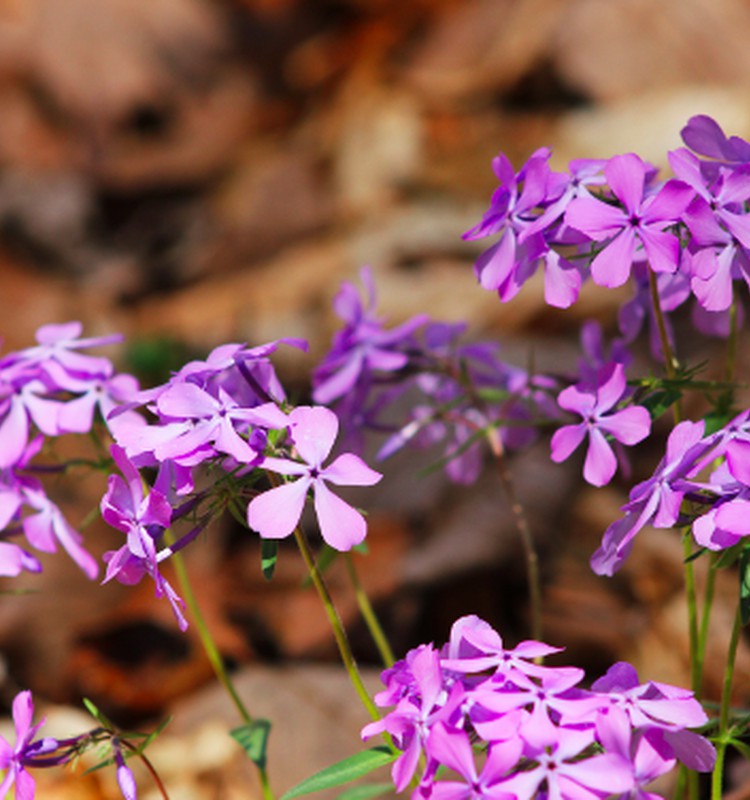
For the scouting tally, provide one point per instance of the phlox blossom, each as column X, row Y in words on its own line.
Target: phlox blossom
column 628, row 425
column 276, row 513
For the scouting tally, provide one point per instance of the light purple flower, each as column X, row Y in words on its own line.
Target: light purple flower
column 144, row 519
column 363, row 345
column 276, row 513
column 658, row 499
column 567, row 777
column 15, row 759
column 453, row 749
column 642, row 221
column 628, row 426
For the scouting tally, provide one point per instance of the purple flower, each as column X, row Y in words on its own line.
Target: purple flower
column 703, row 135
column 276, row 513
column 515, row 213
column 16, row 758
column 568, row 777
column 628, row 426
column 656, row 500
column 363, row 346
column 640, row 222
column 143, row 518
column 453, row 749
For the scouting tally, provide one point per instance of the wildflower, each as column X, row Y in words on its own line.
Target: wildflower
column 642, row 221
column 16, row 759
column 276, row 513
column 628, row 425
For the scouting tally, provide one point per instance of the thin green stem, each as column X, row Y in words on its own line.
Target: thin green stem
column 524, row 530
column 717, row 778
column 692, row 605
column 342, row 640
column 215, row 658
column 369, row 615
column 708, row 598
column 671, row 364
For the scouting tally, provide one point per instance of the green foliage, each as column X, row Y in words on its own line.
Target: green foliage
column 269, row 550
column 744, row 571
column 349, row 769
column 253, row 739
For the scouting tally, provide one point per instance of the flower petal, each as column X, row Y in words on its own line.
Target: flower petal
column 275, row 513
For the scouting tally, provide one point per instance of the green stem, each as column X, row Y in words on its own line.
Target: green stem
column 338, row 628
column 671, row 364
column 692, row 604
column 524, row 530
column 369, row 615
column 726, row 694
column 708, row 598
column 215, row 658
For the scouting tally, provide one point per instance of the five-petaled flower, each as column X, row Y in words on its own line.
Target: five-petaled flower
column 276, row 513
column 628, row 425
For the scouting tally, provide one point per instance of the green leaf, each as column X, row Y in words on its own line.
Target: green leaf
column 98, row 715
column 253, row 739
column 741, row 747
column 269, row 549
column 744, row 567
column 366, row 792
column 347, row 770
column 660, row 402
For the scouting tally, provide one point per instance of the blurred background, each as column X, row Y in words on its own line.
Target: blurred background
column 192, row 172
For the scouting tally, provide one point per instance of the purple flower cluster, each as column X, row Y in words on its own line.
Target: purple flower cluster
column 47, row 390
column 510, row 728
column 227, row 413
column 32, row 753
column 455, row 392
column 679, row 493
column 609, row 219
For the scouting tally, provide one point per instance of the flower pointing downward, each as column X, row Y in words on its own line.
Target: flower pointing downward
column 276, row 513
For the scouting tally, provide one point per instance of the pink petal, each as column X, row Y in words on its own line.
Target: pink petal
column 566, row 440
column 314, row 430
column 341, row 525
column 349, row 470
column 275, row 513
column 611, row 267
column 629, row 426
column 626, row 175
column 600, row 464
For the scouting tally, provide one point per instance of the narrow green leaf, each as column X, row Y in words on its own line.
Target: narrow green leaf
column 744, row 567
column 269, row 549
column 366, row 792
column 660, row 402
column 741, row 747
column 98, row 715
column 253, row 739
column 347, row 770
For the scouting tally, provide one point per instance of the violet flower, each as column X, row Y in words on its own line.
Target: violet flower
column 143, row 518
column 363, row 345
column 642, row 221
column 276, row 513
column 16, row 758
column 628, row 426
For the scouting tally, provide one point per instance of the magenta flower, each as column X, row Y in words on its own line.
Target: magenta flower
column 144, row 519
column 16, row 758
column 628, row 425
column 566, row 776
column 276, row 513
column 642, row 220
column 453, row 749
